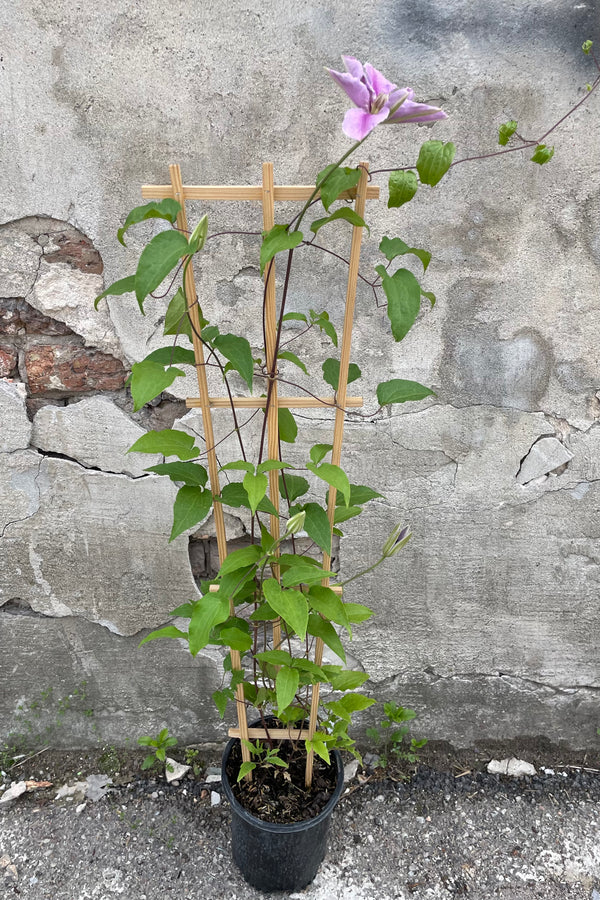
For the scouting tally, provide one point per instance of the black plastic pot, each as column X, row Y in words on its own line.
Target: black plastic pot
column 274, row 857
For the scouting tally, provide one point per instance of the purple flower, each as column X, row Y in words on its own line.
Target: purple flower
column 378, row 100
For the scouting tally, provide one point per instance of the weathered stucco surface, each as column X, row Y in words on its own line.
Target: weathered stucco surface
column 488, row 623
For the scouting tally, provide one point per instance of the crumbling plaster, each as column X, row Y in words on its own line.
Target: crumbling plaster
column 487, row 623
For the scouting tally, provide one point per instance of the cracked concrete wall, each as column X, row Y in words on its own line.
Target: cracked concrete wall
column 487, row 624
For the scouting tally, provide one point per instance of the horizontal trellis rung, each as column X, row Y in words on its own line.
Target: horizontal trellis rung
column 232, row 192
column 277, row 734
column 282, row 402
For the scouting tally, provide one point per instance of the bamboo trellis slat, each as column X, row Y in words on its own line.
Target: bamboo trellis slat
column 267, row 193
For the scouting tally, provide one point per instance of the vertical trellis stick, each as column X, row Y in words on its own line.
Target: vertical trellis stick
column 338, row 434
column 270, row 313
column 193, row 312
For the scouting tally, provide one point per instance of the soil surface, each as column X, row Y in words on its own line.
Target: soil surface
column 279, row 794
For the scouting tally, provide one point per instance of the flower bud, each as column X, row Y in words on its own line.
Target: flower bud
column 295, row 523
column 397, row 539
column 199, row 235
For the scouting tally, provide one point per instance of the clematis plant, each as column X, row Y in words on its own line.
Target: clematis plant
column 280, row 578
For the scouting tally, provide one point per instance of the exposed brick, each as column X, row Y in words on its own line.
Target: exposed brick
column 75, row 250
column 8, row 361
column 18, row 316
column 67, row 369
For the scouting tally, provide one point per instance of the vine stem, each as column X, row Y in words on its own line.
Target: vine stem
column 286, row 284
column 526, row 145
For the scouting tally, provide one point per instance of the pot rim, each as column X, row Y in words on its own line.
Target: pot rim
column 291, row 827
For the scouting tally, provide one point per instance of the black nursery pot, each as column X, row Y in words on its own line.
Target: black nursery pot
column 274, row 857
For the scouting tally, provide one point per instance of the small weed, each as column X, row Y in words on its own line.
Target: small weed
column 109, row 761
column 192, row 758
column 390, row 741
column 158, row 746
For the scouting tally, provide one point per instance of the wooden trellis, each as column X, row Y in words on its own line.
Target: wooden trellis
column 267, row 194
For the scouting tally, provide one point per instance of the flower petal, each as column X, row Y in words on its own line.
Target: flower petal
column 417, row 112
column 379, row 83
column 353, row 66
column 358, row 122
column 355, row 89
column 401, row 94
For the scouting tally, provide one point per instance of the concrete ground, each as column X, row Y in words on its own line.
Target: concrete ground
column 441, row 835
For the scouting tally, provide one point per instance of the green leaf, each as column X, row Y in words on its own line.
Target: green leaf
column 237, row 351
column 169, row 442
column 319, row 747
column 263, row 613
column 240, row 559
column 325, row 601
column 236, row 495
column 192, row 505
column 321, row 320
column 542, row 154
column 347, row 680
column 355, row 702
column 357, row 613
column 238, row 464
column 158, row 258
column 319, row 451
column 168, row 356
column 334, row 476
column 177, row 320
column 290, row 605
column 349, row 215
column 148, row 380
column 157, row 209
column 307, row 665
column 188, row 472
column 403, row 293
column 343, row 513
column 435, row 158
column 393, row 247
column 286, row 685
column 360, row 494
column 256, row 488
column 291, row 357
column 169, row 631
column 292, row 486
column 317, row 527
column 235, row 638
column 245, row 769
column 506, row 131
column 331, row 372
column 276, row 240
column 269, row 465
column 399, row 390
column 430, row 296
column 122, row 286
column 338, row 181
column 288, row 429
column 211, row 610
column 275, row 657
column 221, row 699
column 318, row 627
column 300, row 317
column 304, row 574
column 209, row 333
column 185, row 609
column 587, row 46
column 402, row 187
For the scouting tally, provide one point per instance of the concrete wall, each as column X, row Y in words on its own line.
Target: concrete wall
column 488, row 623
